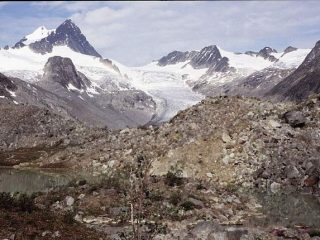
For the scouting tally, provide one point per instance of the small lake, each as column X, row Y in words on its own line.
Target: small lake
column 279, row 209
column 35, row 180
column 288, row 209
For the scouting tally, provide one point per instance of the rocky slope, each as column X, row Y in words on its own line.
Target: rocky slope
column 198, row 162
column 305, row 80
column 232, row 141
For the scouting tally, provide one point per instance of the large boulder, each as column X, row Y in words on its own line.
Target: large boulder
column 294, row 118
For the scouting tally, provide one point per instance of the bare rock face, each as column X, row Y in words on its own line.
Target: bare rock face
column 305, row 80
column 174, row 57
column 62, row 71
column 266, row 53
column 208, row 57
column 289, row 49
column 6, row 85
column 67, row 34
column 110, row 64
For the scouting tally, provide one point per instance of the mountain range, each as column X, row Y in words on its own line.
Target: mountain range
column 61, row 71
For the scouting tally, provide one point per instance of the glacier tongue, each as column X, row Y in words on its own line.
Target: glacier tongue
column 169, row 91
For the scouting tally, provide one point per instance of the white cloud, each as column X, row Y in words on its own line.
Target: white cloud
column 137, row 32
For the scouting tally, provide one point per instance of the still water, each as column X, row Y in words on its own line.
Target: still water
column 282, row 209
column 288, row 209
column 29, row 181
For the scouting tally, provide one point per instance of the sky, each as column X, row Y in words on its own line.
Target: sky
column 135, row 33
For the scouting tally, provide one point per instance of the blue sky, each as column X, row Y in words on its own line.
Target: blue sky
column 135, row 33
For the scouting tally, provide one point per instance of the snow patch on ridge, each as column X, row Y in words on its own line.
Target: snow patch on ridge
column 38, row 34
column 245, row 61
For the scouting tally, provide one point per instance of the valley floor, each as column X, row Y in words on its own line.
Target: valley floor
column 184, row 179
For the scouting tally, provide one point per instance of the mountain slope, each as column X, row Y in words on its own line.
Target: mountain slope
column 305, row 80
column 91, row 104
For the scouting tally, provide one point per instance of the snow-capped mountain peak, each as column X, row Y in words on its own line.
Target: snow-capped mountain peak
column 38, row 34
column 67, row 34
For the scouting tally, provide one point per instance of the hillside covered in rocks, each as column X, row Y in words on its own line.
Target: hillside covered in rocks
column 197, row 171
column 229, row 140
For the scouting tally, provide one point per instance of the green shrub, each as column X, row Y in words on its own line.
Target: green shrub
column 68, row 217
column 187, row 205
column 174, row 178
column 21, row 202
column 175, row 198
column 6, row 201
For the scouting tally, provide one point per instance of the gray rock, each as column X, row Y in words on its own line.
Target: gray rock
column 69, row 200
column 275, row 187
column 292, row 172
column 295, row 118
column 117, row 211
column 225, row 137
column 197, row 203
column 274, row 124
column 203, row 229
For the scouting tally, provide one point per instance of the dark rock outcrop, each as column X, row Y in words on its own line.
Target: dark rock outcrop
column 207, row 57
column 63, row 71
column 20, row 44
column 266, row 53
column 173, row 58
column 251, row 53
column 289, row 49
column 6, row 85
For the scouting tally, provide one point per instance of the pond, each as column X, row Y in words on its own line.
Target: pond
column 35, row 180
column 279, row 209
column 288, row 209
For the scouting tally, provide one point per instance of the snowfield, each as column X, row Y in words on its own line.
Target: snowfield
column 38, row 34
column 168, row 90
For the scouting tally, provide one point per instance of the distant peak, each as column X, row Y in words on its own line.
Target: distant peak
column 290, row 49
column 268, row 50
column 68, row 22
column 211, row 47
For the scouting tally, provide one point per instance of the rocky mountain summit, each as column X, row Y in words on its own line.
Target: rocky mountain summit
column 266, row 54
column 66, row 34
column 208, row 57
